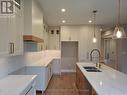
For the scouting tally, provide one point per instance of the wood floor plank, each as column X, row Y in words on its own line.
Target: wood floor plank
column 62, row 85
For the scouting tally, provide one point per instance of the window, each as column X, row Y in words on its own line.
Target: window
column 57, row 32
column 52, row 31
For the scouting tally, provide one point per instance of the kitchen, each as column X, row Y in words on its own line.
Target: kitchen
column 46, row 47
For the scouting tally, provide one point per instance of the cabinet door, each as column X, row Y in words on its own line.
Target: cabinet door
column 56, row 66
column 69, row 33
column 11, row 29
column 19, row 34
column 74, row 35
column 4, row 37
column 49, row 71
column 16, row 32
column 65, row 35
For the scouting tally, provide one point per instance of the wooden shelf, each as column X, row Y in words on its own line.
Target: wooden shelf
column 31, row 38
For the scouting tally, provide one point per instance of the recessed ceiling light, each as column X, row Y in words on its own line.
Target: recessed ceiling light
column 90, row 21
column 63, row 21
column 63, row 10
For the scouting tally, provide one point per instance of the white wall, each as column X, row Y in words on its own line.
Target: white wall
column 84, row 36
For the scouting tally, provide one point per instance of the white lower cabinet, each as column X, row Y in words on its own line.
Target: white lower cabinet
column 56, row 67
column 49, row 72
column 44, row 74
column 30, row 89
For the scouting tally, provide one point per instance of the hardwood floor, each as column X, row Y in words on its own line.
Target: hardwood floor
column 62, row 85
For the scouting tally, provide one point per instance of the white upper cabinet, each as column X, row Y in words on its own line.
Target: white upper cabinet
column 54, row 38
column 4, row 36
column 11, row 38
column 69, row 34
column 33, row 19
column 34, row 27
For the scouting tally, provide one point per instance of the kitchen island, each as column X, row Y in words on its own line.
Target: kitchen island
column 107, row 82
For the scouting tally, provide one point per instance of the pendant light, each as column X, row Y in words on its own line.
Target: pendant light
column 119, row 30
column 94, row 36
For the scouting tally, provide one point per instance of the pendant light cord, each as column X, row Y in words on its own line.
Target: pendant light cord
column 119, row 14
column 94, row 12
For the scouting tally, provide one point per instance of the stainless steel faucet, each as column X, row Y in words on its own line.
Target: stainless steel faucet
column 91, row 57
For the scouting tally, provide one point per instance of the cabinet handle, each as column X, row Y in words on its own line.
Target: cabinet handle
column 10, row 45
column 11, row 48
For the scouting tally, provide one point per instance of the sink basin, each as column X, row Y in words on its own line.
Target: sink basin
column 91, row 69
column 94, row 70
column 88, row 67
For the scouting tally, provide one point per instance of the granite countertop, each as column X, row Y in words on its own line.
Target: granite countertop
column 107, row 82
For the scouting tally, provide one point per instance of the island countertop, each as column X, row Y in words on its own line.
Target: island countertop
column 107, row 82
column 16, row 84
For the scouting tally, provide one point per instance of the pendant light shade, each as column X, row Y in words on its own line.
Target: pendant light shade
column 119, row 33
column 119, row 30
column 94, row 36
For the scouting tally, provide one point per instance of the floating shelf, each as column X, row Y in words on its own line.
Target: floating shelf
column 31, row 38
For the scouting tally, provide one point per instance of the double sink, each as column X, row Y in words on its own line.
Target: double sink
column 91, row 69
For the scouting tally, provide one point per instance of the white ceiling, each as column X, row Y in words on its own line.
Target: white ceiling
column 80, row 11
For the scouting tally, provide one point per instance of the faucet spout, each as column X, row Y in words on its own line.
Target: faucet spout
column 91, row 58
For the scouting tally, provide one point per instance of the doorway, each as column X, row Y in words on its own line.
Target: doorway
column 69, row 56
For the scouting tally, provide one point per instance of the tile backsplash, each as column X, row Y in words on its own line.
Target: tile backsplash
column 13, row 63
column 10, row 64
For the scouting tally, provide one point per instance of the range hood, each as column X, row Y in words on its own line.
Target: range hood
column 31, row 38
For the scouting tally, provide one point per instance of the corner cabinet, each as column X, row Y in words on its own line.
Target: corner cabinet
column 11, row 33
